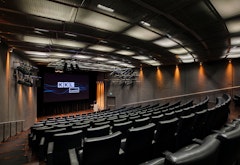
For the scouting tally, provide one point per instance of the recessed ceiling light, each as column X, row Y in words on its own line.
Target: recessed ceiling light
column 36, row 53
column 40, row 30
column 70, row 34
column 233, row 55
column 235, row 50
column 235, row 41
column 101, row 48
column 165, row 42
column 140, row 57
column 178, row 51
column 141, row 33
column 233, row 26
column 125, row 52
column 227, row 8
column 100, row 21
column 145, row 23
column 185, row 56
column 113, row 62
column 100, row 59
column 81, row 56
column 187, row 60
column 151, row 62
column 105, row 8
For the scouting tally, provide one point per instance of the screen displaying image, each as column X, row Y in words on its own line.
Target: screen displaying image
column 65, row 87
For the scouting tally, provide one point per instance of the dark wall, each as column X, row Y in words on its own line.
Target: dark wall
column 167, row 82
column 17, row 101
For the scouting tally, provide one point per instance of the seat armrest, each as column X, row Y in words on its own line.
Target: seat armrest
column 50, row 153
column 166, row 153
column 41, row 149
column 42, row 141
column 50, row 147
column 198, row 141
column 34, row 137
column 121, row 152
column 216, row 131
column 73, row 157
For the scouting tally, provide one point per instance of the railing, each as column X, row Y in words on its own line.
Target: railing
column 10, row 128
column 195, row 96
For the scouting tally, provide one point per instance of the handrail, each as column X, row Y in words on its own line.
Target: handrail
column 183, row 95
column 14, row 121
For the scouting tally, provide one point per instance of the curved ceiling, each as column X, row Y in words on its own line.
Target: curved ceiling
column 104, row 34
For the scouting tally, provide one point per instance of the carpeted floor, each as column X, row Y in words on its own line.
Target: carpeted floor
column 13, row 151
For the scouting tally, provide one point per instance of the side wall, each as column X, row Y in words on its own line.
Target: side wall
column 17, row 102
column 168, row 81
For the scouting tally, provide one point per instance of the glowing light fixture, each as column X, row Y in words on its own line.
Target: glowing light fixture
column 178, row 51
column 125, row 52
column 101, row 48
column 165, row 42
column 141, row 33
column 105, row 8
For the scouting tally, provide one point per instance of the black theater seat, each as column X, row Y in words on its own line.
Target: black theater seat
column 104, row 150
column 205, row 154
column 123, row 127
column 141, row 122
column 185, row 130
column 138, row 145
column 57, row 152
column 98, row 131
column 165, row 137
column 230, row 146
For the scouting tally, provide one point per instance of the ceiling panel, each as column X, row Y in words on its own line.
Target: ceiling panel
column 130, row 33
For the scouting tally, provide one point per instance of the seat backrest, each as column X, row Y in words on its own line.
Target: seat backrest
column 48, row 134
column 141, row 122
column 156, row 118
column 200, row 123
column 63, row 141
column 83, row 127
column 102, row 150
column 185, row 130
column 97, row 124
column 122, row 127
column 98, row 131
column 205, row 154
column 138, row 146
column 165, row 137
column 120, row 120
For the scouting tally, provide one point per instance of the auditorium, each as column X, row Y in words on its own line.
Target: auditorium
column 120, row 82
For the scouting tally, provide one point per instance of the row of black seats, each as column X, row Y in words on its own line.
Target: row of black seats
column 141, row 143
column 220, row 148
column 43, row 131
column 81, row 147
